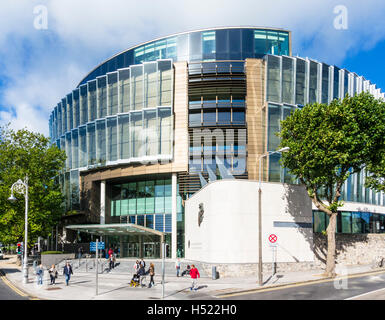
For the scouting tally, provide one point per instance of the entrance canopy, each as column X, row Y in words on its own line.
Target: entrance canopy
column 115, row 229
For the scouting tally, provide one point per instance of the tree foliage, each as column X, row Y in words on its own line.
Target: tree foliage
column 26, row 153
column 328, row 143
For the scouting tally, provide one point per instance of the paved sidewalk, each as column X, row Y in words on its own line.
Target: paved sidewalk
column 115, row 286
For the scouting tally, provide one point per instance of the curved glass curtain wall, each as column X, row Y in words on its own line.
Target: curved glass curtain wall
column 293, row 82
column 125, row 116
column 219, row 44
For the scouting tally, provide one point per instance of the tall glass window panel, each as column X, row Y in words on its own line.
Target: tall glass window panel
column 150, row 81
column 91, row 143
column 313, row 82
column 132, row 195
column 273, row 79
column 115, row 200
column 64, row 116
column 101, row 142
column 112, row 139
column 195, row 46
column 300, row 82
column 283, row 38
column 235, row 44
column 124, row 136
column 112, row 93
column 167, row 196
column 273, row 43
column 68, row 151
column 150, row 196
column 83, row 104
column 325, row 83
column 165, row 82
column 59, row 121
column 70, row 115
column 141, row 198
column 137, row 136
column 319, row 221
column 356, row 222
column 159, row 196
column 159, row 222
column 182, row 47
column 208, row 45
column 365, row 218
column 75, row 148
column 274, row 118
column 76, row 109
column 151, row 133
column 137, row 87
column 92, row 104
column 124, row 200
column 222, row 44
column 247, row 43
column 165, row 131
column 287, row 80
column 260, row 43
column 346, row 223
column 336, row 80
column 75, row 191
column 171, row 51
column 102, row 97
column 274, row 168
column 346, row 83
column 124, row 94
column 83, row 156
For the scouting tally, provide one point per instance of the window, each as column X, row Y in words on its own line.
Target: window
column 124, row 80
column 313, row 82
column 224, row 116
column 209, row 117
column 102, row 97
column 273, row 79
column 208, row 45
column 124, row 136
column 150, row 81
column 112, row 93
column 287, row 80
column 274, row 118
column 137, row 87
column 195, row 119
column 300, row 82
column 112, row 154
column 238, row 117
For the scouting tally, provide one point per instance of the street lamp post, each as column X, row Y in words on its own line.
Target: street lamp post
column 21, row 187
column 260, row 276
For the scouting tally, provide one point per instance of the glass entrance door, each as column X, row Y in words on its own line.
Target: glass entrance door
column 151, row 249
column 133, row 250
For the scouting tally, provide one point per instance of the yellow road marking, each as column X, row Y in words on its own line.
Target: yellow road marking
column 10, row 284
column 286, row 286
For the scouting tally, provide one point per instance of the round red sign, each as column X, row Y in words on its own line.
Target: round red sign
column 272, row 238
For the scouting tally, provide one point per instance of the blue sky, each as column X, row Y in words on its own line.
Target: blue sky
column 40, row 66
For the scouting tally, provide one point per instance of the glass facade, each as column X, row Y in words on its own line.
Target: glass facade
column 351, row 222
column 303, row 81
column 122, row 117
column 218, row 44
column 148, row 202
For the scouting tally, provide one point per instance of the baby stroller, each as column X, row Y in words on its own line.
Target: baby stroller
column 135, row 281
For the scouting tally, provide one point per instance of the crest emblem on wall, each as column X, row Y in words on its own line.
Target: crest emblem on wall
column 200, row 214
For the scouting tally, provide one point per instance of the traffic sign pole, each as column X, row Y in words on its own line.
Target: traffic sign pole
column 273, row 245
column 96, row 258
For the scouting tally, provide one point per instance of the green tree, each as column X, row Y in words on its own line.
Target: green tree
column 328, row 143
column 26, row 153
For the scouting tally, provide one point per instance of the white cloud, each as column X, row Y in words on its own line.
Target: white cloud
column 39, row 67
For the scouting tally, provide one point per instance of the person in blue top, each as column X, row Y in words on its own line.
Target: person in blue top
column 67, row 271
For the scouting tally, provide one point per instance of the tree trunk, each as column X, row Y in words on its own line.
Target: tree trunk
column 331, row 253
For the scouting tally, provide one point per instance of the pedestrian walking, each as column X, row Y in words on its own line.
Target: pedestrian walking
column 110, row 252
column 67, row 271
column 177, row 266
column 40, row 274
column 151, row 272
column 136, row 266
column 142, row 263
column 80, row 252
column 194, row 273
column 53, row 274
column 112, row 261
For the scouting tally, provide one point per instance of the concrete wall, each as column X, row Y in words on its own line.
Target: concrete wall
column 228, row 233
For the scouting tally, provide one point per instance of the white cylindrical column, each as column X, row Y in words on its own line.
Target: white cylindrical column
column 103, row 202
column 173, row 215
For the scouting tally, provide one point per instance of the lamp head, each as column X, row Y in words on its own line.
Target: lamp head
column 12, row 198
column 285, row 149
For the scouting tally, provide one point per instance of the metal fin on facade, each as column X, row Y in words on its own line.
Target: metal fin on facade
column 212, row 175
column 224, row 172
column 202, row 180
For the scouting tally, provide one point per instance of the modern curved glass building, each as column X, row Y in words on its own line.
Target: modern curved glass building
column 147, row 128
